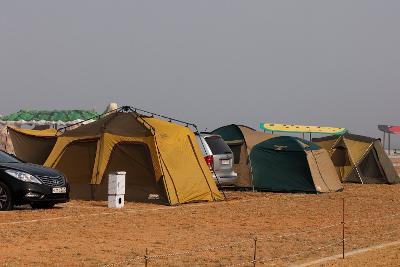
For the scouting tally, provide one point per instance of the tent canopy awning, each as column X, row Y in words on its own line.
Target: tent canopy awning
column 294, row 128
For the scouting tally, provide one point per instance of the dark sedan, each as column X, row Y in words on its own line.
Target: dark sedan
column 24, row 183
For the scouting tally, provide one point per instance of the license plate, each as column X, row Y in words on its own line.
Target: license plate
column 59, row 190
column 225, row 161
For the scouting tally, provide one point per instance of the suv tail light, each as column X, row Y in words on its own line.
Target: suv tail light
column 210, row 161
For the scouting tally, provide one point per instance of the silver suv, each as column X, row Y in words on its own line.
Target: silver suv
column 219, row 158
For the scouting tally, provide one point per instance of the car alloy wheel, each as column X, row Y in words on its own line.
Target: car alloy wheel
column 5, row 197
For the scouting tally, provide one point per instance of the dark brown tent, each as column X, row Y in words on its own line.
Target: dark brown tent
column 241, row 139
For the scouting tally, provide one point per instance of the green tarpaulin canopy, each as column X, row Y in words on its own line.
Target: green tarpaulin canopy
column 50, row 116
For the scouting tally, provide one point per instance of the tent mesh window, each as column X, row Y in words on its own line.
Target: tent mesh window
column 371, row 170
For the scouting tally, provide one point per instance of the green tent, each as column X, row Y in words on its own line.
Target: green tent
column 279, row 163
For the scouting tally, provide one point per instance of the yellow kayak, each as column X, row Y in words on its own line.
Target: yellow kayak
column 293, row 128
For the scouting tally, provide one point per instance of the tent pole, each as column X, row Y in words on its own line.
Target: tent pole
column 389, row 143
column 303, row 136
column 359, row 174
column 384, row 135
column 251, row 173
column 343, row 228
column 320, row 173
column 354, row 163
column 310, row 137
column 212, row 170
column 7, row 134
column 361, row 159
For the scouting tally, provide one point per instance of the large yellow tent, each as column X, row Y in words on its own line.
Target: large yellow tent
column 162, row 159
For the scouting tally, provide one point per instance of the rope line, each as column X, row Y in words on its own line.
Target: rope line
column 374, row 219
column 299, row 254
column 261, row 261
column 374, row 236
column 302, row 232
column 124, row 262
column 243, row 264
column 188, row 252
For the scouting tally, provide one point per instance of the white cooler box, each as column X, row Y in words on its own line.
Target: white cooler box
column 116, row 201
column 116, row 189
column 116, row 183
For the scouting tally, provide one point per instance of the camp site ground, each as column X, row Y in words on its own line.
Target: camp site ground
column 290, row 229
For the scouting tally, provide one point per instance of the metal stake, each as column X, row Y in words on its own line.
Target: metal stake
column 255, row 251
column 146, row 258
column 343, row 228
column 384, row 135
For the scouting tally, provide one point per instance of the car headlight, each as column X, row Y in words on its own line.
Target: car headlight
column 23, row 176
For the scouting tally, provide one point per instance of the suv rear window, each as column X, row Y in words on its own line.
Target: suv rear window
column 217, row 145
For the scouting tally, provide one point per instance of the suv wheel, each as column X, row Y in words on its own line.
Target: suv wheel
column 5, row 198
column 42, row 205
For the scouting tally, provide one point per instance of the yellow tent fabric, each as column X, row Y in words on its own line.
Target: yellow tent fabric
column 162, row 159
column 32, row 145
column 323, row 171
column 34, row 133
column 359, row 159
column 357, row 149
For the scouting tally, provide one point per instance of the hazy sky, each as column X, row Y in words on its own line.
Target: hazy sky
column 333, row 63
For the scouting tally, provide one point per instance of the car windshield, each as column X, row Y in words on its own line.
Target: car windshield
column 217, row 145
column 6, row 158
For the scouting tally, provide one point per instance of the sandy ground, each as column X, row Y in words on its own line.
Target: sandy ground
column 389, row 256
column 287, row 227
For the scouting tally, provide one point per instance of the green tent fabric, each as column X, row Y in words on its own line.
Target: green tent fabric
column 55, row 115
column 288, row 143
column 288, row 164
column 230, row 132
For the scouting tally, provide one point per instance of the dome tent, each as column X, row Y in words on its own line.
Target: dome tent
column 264, row 161
column 148, row 149
column 241, row 140
column 359, row 159
column 291, row 164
